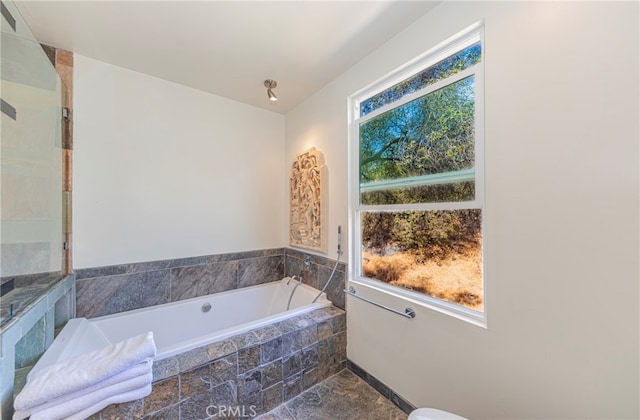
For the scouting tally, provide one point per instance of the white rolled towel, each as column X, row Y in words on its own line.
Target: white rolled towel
column 136, row 377
column 89, row 369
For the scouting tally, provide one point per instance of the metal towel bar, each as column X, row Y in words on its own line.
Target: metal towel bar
column 408, row 312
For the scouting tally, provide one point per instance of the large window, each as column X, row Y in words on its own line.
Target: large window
column 417, row 179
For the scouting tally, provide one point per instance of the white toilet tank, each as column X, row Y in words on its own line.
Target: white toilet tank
column 433, row 414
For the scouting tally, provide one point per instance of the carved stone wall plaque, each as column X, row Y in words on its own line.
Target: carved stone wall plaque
column 308, row 202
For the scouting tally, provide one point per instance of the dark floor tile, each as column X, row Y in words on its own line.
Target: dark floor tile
column 343, row 396
column 279, row 413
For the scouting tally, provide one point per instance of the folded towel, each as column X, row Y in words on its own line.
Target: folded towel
column 70, row 407
column 136, row 377
column 73, row 375
column 133, row 395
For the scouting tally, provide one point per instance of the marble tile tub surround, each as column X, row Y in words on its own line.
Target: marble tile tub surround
column 118, row 288
column 107, row 290
column 262, row 368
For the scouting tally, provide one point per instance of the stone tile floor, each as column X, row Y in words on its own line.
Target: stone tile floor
column 343, row 396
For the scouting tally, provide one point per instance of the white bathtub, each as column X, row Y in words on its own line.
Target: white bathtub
column 180, row 326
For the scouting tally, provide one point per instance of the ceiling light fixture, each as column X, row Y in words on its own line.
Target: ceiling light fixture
column 271, row 84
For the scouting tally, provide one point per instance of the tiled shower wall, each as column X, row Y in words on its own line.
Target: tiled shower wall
column 107, row 290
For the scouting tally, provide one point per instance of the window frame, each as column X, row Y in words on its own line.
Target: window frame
column 447, row 48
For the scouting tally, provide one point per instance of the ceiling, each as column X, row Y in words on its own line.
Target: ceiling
column 227, row 48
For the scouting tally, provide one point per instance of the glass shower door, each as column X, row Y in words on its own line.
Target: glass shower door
column 31, row 231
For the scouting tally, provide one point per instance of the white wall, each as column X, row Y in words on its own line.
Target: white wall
column 165, row 171
column 561, row 238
